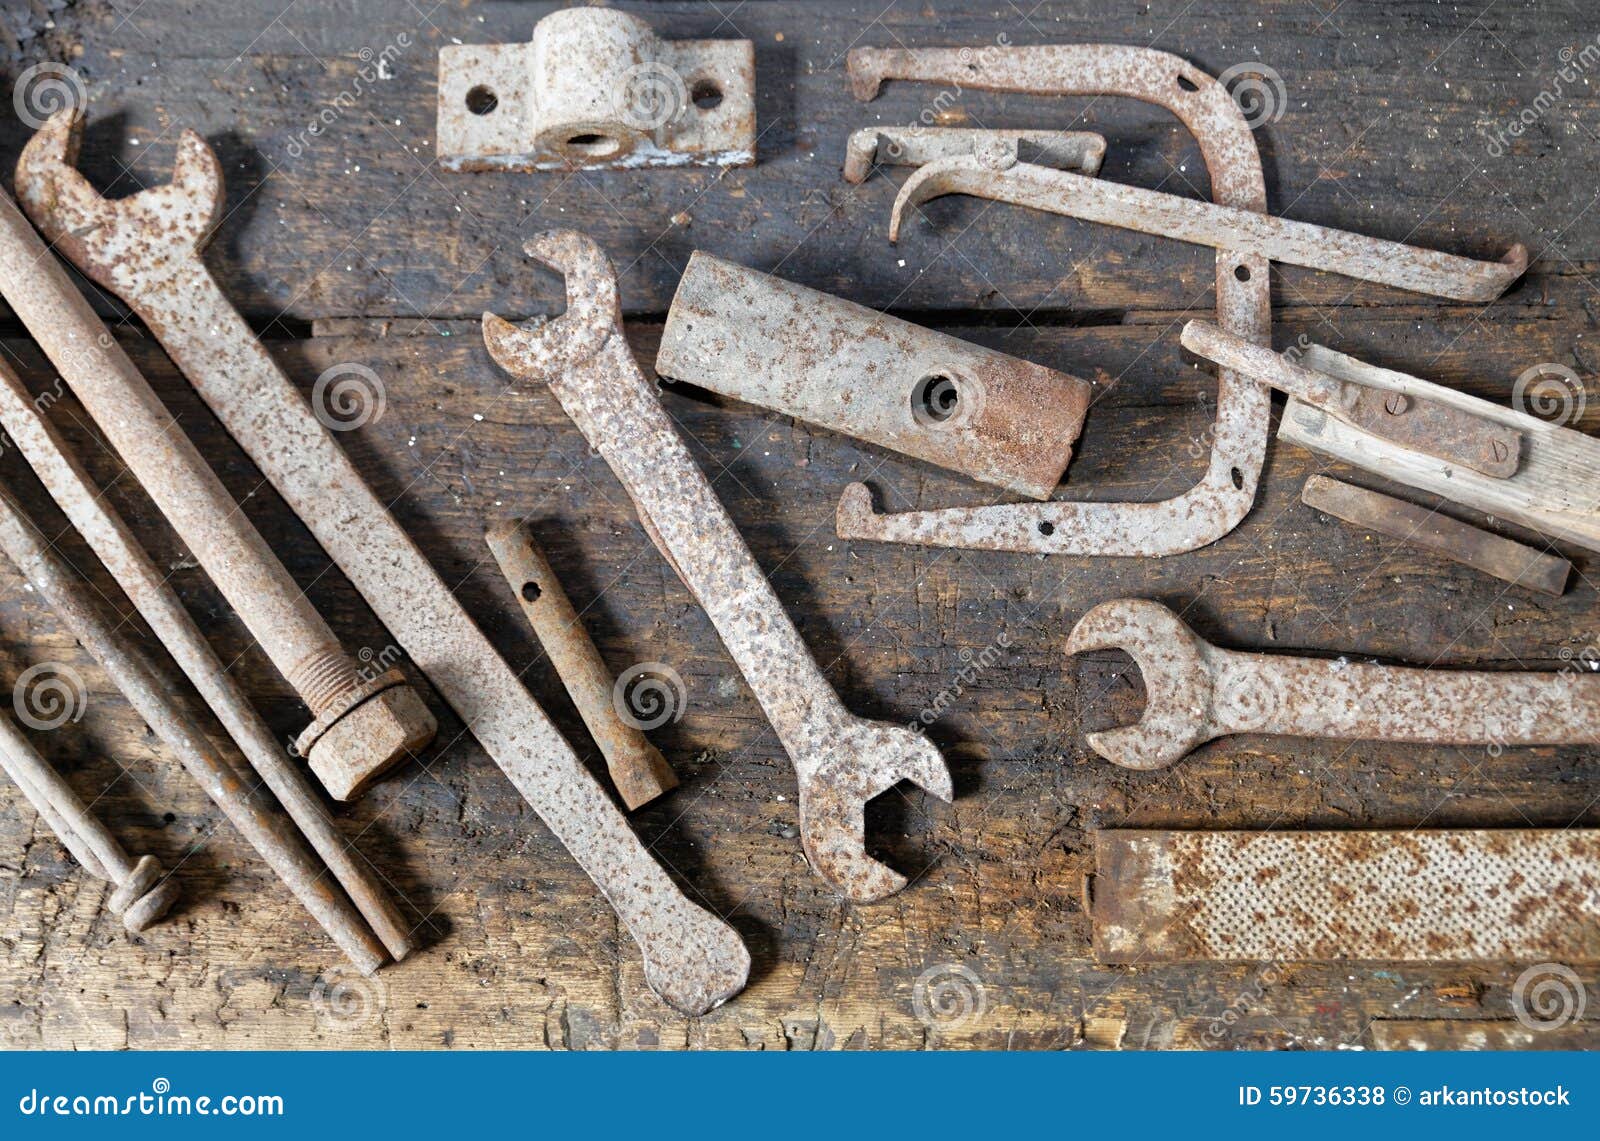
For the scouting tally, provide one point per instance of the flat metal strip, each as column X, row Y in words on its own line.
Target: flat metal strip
column 1528, row 895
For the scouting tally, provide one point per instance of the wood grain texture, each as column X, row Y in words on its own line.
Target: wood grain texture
column 358, row 250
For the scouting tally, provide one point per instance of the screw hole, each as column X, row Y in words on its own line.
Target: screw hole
column 706, row 94
column 1242, row 272
column 531, row 592
column 1187, row 84
column 481, row 100
column 169, row 817
column 935, row 399
column 1046, row 527
column 1238, row 478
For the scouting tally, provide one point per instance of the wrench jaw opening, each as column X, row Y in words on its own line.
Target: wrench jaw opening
column 1177, row 680
column 868, row 759
column 543, row 346
column 139, row 240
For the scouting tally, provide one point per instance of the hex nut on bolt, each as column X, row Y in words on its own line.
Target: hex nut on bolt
column 370, row 739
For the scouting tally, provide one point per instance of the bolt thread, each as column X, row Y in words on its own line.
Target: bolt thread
column 324, row 677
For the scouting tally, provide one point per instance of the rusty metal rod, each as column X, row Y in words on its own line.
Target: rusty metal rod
column 109, row 537
column 636, row 766
column 143, row 892
column 150, row 696
column 1210, row 224
column 147, row 248
column 188, row 493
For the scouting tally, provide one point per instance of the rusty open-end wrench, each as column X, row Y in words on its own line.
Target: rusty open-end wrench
column 1196, row 692
column 842, row 761
column 147, row 249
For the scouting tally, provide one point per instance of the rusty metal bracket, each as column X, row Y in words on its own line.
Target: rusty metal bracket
column 1447, row 433
column 827, row 361
column 147, row 249
column 841, row 761
column 1197, row 692
column 1526, row 895
column 998, row 176
column 1213, row 507
column 916, row 146
column 596, row 90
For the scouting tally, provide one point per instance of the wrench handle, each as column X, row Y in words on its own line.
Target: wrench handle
column 1360, row 701
column 610, row 400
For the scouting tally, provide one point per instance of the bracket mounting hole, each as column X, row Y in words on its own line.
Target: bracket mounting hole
column 593, row 145
column 1046, row 528
column 481, row 100
column 531, row 592
column 1242, row 272
column 706, row 94
column 934, row 399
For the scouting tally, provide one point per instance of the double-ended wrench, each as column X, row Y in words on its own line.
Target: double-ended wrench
column 1197, row 692
column 841, row 760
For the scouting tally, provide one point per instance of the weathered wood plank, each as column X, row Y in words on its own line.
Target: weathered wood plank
column 1389, row 131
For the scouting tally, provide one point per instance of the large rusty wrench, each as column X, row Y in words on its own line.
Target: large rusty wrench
column 146, row 248
column 841, row 760
column 1197, row 692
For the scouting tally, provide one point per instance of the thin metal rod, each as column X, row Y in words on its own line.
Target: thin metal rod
column 269, row 832
column 111, row 540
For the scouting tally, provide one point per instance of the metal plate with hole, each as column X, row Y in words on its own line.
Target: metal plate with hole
column 829, row 362
column 596, row 90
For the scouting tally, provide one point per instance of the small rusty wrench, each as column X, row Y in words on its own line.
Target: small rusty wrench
column 1198, row 692
column 842, row 761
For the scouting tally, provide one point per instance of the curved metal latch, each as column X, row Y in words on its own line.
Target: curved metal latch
column 1213, row 507
column 596, row 90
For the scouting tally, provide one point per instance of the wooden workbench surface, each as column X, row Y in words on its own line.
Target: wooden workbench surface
column 348, row 245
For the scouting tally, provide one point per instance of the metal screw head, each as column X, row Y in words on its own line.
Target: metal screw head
column 1395, row 403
